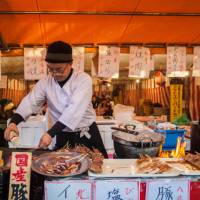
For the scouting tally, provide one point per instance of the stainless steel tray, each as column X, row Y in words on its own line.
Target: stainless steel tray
column 70, row 156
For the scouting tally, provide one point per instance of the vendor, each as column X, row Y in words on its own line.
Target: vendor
column 68, row 95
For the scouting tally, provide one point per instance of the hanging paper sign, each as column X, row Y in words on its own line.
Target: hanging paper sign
column 168, row 189
column 34, row 63
column 3, row 82
column 108, row 61
column 78, row 58
column 77, row 190
column 20, row 176
column 116, row 189
column 139, row 62
column 176, row 93
column 196, row 61
column 176, row 61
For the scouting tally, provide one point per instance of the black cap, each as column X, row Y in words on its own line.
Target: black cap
column 59, row 52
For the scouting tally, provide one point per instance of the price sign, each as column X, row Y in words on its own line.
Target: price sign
column 34, row 63
column 196, row 62
column 78, row 58
column 139, row 62
column 117, row 189
column 68, row 190
column 168, row 189
column 20, row 176
column 176, row 61
column 108, row 61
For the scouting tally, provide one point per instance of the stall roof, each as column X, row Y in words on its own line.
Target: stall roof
column 92, row 22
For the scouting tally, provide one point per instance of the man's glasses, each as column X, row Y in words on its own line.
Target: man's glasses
column 59, row 70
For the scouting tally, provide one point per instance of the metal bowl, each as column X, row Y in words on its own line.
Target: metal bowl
column 128, row 146
column 126, row 151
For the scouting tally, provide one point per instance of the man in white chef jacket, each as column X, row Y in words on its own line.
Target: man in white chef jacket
column 68, row 95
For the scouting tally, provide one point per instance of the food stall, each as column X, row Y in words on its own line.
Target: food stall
column 142, row 54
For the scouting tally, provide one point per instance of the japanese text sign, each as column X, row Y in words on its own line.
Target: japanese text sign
column 108, row 61
column 34, row 63
column 139, row 62
column 78, row 58
column 176, row 60
column 117, row 190
column 68, row 190
column 19, row 188
column 168, row 189
column 196, row 62
column 176, row 95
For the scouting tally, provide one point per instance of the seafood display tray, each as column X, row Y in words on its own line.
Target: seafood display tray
column 127, row 168
column 70, row 157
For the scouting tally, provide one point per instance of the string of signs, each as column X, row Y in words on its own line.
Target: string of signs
column 108, row 62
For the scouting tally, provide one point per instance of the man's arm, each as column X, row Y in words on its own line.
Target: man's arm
column 30, row 104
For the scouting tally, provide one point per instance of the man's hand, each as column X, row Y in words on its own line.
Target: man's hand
column 45, row 140
column 8, row 133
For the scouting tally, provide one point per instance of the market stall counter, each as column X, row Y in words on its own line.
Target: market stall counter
column 116, row 178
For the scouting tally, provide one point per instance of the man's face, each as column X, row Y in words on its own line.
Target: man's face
column 59, row 71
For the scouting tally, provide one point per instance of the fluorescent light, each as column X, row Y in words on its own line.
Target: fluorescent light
column 178, row 74
column 116, row 75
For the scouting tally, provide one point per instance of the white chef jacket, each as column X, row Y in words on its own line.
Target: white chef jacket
column 70, row 104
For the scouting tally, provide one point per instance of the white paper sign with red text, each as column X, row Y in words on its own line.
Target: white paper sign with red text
column 34, row 63
column 78, row 58
column 68, row 190
column 168, row 189
column 139, row 62
column 108, row 61
column 196, row 61
column 20, row 176
column 176, row 61
column 116, row 189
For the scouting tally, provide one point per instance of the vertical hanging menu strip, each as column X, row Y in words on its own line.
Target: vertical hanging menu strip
column 20, row 176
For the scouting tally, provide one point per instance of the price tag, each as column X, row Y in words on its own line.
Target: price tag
column 68, row 190
column 196, row 62
column 139, row 62
column 20, row 176
column 176, row 61
column 168, row 190
column 108, row 61
column 116, row 189
column 34, row 63
column 78, row 58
